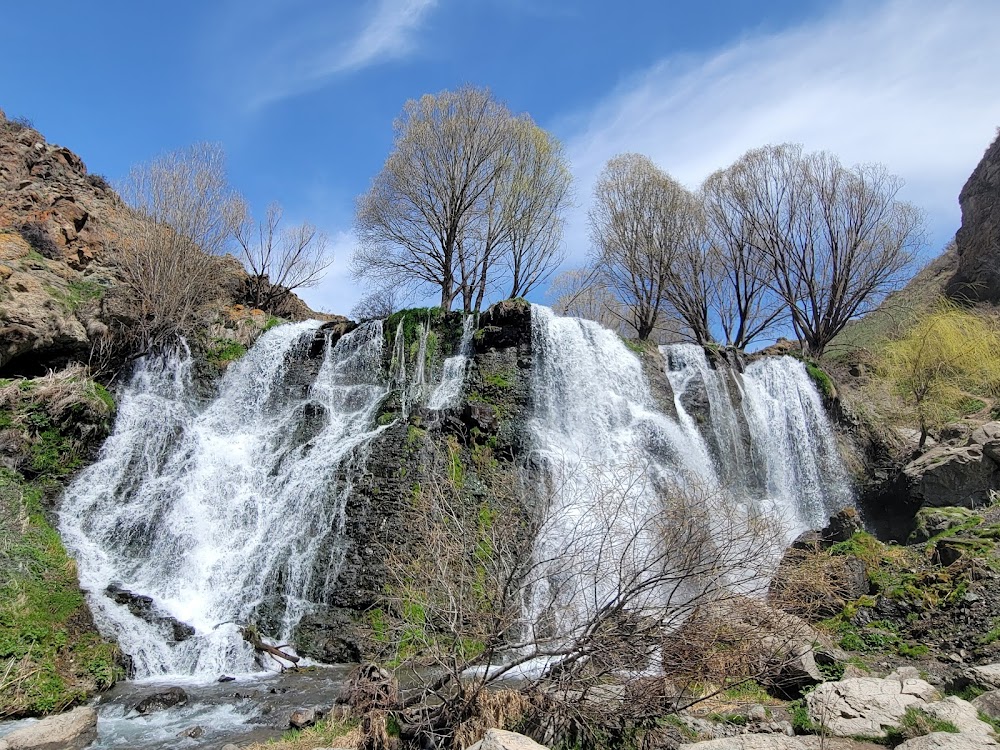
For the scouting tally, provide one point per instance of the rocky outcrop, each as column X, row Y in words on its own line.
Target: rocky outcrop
column 949, row 741
column 959, row 475
column 74, row 730
column 978, row 239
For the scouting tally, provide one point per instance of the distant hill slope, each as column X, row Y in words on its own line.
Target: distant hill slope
column 899, row 309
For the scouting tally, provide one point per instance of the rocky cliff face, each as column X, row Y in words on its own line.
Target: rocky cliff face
column 978, row 240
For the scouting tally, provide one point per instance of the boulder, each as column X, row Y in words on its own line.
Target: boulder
column 73, row 730
column 959, row 712
column 949, row 741
column 988, row 704
column 952, row 475
column 865, row 706
column 173, row 696
column 986, row 676
column 499, row 739
column 930, row 522
column 987, row 436
column 302, row 718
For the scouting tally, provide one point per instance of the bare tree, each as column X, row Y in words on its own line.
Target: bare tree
column 580, row 293
column 692, row 277
column 167, row 258
column 420, row 206
column 744, row 302
column 279, row 259
column 469, row 189
column 637, row 224
column 479, row 602
column 537, row 196
column 835, row 239
column 378, row 304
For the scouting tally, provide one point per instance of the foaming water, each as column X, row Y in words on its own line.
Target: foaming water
column 227, row 511
column 609, row 457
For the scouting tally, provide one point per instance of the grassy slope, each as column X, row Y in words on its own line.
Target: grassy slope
column 50, row 653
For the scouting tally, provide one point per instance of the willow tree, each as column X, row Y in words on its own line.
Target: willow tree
column 834, row 239
column 949, row 354
column 638, row 223
column 466, row 186
column 743, row 301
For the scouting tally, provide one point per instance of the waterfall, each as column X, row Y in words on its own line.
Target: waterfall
column 608, row 457
column 794, row 441
column 449, row 389
column 227, row 510
column 773, row 443
column 628, row 492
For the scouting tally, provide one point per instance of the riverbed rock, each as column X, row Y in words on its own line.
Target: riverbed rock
column 168, row 698
column 302, row 718
column 499, row 739
column 780, row 742
column 865, row 706
column 986, row 676
column 949, row 741
column 73, row 730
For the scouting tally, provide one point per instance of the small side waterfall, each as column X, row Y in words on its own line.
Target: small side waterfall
column 227, row 511
column 448, row 391
column 629, row 492
column 768, row 433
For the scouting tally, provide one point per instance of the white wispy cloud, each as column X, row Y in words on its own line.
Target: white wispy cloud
column 909, row 83
column 326, row 40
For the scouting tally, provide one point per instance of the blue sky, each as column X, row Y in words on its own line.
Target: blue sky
column 302, row 93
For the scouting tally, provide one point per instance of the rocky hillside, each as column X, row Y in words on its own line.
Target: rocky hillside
column 977, row 277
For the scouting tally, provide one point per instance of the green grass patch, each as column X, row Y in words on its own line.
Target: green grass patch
column 916, row 723
column 820, row 378
column 223, row 351
column 50, row 657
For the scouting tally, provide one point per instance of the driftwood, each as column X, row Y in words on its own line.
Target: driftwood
column 251, row 636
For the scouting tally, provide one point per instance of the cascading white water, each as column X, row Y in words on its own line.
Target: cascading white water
column 227, row 511
column 774, row 446
column 607, row 454
column 448, row 391
column 793, row 439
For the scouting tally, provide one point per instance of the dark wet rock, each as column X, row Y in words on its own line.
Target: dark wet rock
column 330, row 637
column 225, row 678
column 480, row 417
column 168, row 698
column 142, row 606
column 192, row 732
column 506, row 324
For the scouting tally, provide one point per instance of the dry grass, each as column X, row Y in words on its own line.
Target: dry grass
column 324, row 734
